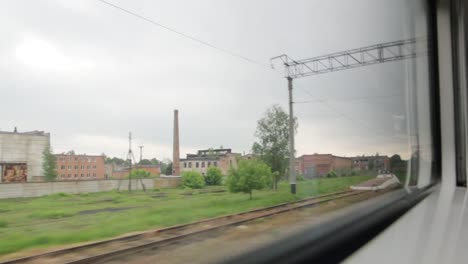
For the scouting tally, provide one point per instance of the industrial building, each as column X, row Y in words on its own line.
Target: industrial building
column 317, row 165
column 221, row 158
column 376, row 162
column 80, row 167
column 21, row 155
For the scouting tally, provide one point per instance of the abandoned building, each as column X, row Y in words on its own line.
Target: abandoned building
column 221, row 158
column 318, row 165
column 80, row 167
column 21, row 155
column 376, row 162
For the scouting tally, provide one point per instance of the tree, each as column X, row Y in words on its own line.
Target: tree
column 214, row 176
column 168, row 169
column 272, row 146
column 145, row 162
column 192, row 179
column 140, row 174
column 250, row 175
column 49, row 164
column 70, row 152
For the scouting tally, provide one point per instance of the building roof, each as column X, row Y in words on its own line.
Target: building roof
column 77, row 155
column 33, row 133
column 316, row 154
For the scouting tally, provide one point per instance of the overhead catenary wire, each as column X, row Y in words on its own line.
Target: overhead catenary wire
column 187, row 36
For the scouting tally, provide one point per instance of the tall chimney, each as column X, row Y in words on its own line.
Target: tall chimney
column 176, row 151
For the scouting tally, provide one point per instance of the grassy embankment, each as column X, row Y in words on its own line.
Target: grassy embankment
column 64, row 219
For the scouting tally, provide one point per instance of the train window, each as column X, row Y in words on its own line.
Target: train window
column 327, row 111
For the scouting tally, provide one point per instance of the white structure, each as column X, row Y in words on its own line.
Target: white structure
column 382, row 181
column 21, row 155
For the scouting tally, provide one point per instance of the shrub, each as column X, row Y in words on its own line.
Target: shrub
column 300, row 177
column 250, row 175
column 140, row 174
column 192, row 179
column 3, row 223
column 213, row 176
column 332, row 174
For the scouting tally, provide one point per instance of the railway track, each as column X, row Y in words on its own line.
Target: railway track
column 104, row 250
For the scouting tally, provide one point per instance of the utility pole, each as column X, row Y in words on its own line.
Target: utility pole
column 141, row 152
column 292, row 159
column 129, row 158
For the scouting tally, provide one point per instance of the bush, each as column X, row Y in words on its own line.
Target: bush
column 300, row 177
column 332, row 174
column 192, row 179
column 213, row 176
column 140, row 174
column 3, row 223
column 250, row 175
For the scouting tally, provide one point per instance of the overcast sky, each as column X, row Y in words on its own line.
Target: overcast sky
column 89, row 73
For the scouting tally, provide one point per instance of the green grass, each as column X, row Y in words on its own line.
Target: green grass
column 56, row 219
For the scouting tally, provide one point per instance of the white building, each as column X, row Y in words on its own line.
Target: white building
column 21, row 155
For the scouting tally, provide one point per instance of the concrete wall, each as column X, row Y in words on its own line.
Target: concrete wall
column 34, row 189
column 167, row 182
column 24, row 148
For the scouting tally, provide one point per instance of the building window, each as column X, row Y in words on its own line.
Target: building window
column 69, row 175
column 215, row 163
column 94, row 166
column 93, row 159
column 69, row 167
column 88, row 167
column 82, row 167
column 185, row 165
column 94, row 175
column 230, row 163
column 203, row 164
column 62, row 167
column 76, row 175
column 209, row 163
column 82, row 175
column 76, row 158
column 190, row 164
column 87, row 175
column 196, row 164
column 76, row 167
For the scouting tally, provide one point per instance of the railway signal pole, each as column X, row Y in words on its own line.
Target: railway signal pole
column 380, row 53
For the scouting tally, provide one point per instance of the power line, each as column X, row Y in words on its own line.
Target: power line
column 183, row 34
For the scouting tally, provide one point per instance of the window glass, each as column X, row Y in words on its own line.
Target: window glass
column 322, row 102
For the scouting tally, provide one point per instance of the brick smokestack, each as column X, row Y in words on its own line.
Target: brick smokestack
column 176, row 151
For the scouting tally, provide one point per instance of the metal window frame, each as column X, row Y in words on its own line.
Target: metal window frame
column 459, row 26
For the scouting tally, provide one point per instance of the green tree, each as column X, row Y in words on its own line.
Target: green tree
column 250, row 175
column 140, row 174
column 272, row 145
column 192, row 179
column 145, row 162
column 168, row 169
column 214, row 176
column 49, row 165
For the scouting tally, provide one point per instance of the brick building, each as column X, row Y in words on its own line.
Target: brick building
column 376, row 162
column 122, row 172
column 317, row 165
column 21, row 155
column 80, row 167
column 221, row 158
